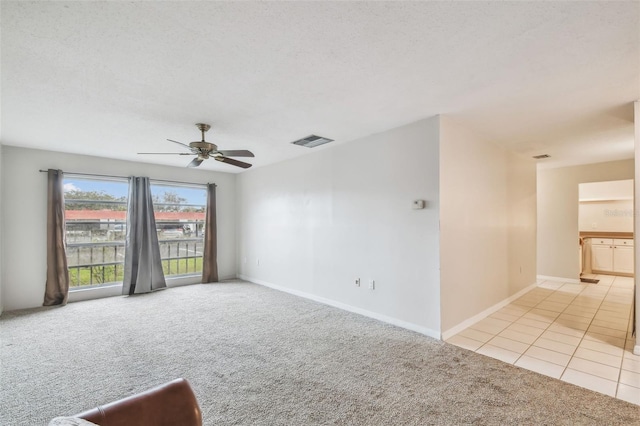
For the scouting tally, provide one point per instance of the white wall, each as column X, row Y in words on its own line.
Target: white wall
column 1, row 202
column 487, row 223
column 636, row 106
column 1, row 234
column 314, row 224
column 606, row 206
column 558, row 213
column 24, row 213
column 523, row 222
column 609, row 190
column 606, row 216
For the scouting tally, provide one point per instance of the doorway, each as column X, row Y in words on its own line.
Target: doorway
column 606, row 229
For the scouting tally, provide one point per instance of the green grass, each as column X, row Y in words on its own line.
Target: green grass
column 182, row 266
column 80, row 277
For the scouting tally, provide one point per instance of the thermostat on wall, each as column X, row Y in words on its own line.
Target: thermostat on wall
column 419, row 204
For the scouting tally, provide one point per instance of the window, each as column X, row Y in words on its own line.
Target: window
column 180, row 214
column 96, row 214
column 96, row 227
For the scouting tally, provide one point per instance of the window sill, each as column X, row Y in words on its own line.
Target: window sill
column 94, row 287
column 115, row 289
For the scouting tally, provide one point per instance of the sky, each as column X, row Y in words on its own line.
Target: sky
column 121, row 189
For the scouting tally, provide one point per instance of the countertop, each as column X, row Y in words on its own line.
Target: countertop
column 604, row 234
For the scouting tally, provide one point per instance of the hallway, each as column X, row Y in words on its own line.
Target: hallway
column 578, row 333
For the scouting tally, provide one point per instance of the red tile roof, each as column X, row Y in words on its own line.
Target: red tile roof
column 122, row 215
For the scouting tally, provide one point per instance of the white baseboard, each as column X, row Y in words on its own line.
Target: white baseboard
column 560, row 279
column 482, row 315
column 389, row 320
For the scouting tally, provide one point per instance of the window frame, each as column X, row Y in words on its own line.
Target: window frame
column 198, row 240
column 120, row 243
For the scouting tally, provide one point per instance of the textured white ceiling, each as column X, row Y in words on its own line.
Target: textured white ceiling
column 115, row 78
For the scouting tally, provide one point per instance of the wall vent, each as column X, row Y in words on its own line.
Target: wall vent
column 541, row 156
column 312, row 141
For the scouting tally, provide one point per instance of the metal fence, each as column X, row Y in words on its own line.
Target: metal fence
column 100, row 263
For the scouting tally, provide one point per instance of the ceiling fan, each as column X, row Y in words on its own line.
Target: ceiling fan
column 204, row 150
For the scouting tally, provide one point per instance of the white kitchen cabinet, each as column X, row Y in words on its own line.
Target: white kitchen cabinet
column 601, row 256
column 612, row 255
column 623, row 259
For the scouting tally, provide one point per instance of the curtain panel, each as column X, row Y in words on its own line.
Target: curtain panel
column 57, row 285
column 210, row 256
column 142, row 263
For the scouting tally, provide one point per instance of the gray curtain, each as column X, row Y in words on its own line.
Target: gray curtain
column 210, row 256
column 57, row 286
column 142, row 264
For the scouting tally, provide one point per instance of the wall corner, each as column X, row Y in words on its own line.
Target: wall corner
column 636, row 121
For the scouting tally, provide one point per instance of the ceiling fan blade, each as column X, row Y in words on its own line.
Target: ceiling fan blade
column 180, row 143
column 195, row 162
column 237, row 153
column 233, row 162
column 167, row 153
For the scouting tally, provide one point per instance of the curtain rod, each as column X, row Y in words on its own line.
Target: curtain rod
column 129, row 177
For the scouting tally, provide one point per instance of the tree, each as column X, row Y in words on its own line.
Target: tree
column 167, row 197
column 89, row 200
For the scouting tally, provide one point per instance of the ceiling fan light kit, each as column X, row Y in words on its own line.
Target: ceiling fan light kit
column 204, row 150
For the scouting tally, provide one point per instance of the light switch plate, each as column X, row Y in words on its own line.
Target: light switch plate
column 419, row 204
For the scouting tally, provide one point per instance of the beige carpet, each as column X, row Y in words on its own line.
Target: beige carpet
column 255, row 356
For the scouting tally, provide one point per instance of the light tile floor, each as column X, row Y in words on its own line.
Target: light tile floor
column 578, row 333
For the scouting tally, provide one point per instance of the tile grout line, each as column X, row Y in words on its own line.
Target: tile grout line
column 544, row 329
column 624, row 348
column 585, row 332
column 553, row 291
column 513, row 322
column 550, row 324
column 581, row 339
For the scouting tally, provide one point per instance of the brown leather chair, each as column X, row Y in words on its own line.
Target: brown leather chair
column 171, row 404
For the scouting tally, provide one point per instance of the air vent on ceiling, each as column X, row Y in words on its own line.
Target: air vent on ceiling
column 312, row 141
column 540, row 157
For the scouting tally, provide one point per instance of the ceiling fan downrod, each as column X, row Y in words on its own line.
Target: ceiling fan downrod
column 203, row 128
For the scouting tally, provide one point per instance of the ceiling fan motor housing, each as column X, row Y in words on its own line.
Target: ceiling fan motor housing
column 204, row 146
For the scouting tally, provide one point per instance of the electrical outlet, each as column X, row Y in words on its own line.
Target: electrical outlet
column 357, row 282
column 372, row 285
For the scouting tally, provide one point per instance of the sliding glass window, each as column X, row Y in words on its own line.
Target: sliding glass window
column 180, row 212
column 96, row 213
